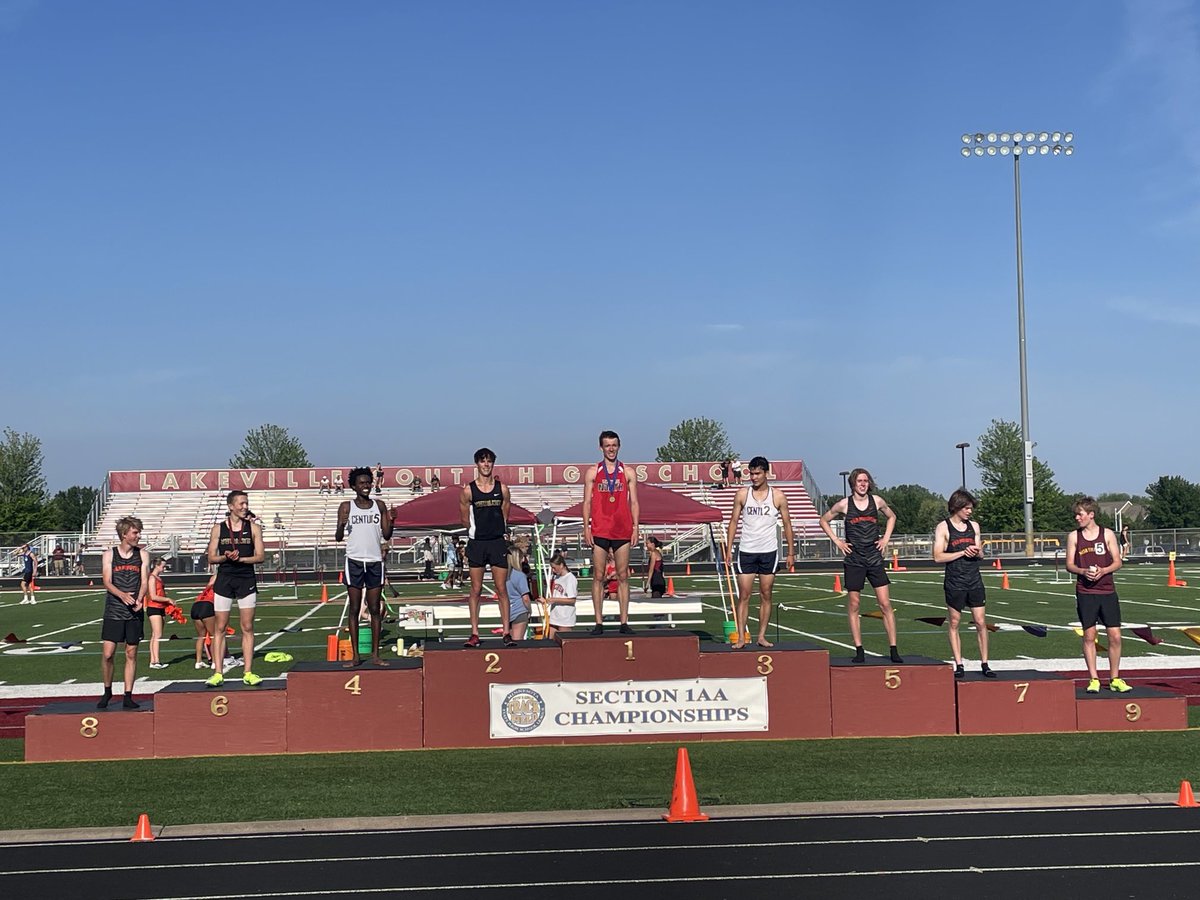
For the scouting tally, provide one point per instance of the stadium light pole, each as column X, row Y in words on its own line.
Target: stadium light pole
column 962, row 452
column 845, row 489
column 1017, row 144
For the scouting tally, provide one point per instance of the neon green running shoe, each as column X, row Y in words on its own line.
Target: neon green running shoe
column 251, row 679
column 1094, row 686
column 1119, row 685
column 215, row 680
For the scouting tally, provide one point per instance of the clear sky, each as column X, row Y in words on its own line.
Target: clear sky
column 406, row 229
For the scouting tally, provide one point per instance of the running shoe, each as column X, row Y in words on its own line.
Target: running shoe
column 599, row 629
column 960, row 672
column 472, row 641
column 158, row 665
column 203, row 666
column 625, row 629
column 508, row 640
column 251, row 679
column 1094, row 686
column 987, row 671
column 217, row 679
column 1119, row 685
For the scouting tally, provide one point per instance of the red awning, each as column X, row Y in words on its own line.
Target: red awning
column 439, row 510
column 660, row 506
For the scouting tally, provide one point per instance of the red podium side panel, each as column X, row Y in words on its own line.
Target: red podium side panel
column 1142, row 709
column 1018, row 702
column 331, row 708
column 880, row 698
column 80, row 731
column 642, row 656
column 191, row 719
column 797, row 686
column 456, row 687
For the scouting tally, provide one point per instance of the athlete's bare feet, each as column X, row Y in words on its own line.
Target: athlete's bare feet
column 738, row 645
column 352, row 663
column 763, row 642
column 381, row 663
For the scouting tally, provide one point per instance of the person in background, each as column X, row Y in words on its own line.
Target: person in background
column 520, row 603
column 654, row 583
column 156, row 607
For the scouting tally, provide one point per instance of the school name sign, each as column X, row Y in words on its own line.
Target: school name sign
column 404, row 476
column 627, row 707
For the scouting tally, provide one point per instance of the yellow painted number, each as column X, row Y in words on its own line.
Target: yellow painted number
column 354, row 685
column 766, row 665
column 493, row 663
column 219, row 705
column 1022, row 688
column 891, row 679
column 629, row 650
column 89, row 726
column 1133, row 712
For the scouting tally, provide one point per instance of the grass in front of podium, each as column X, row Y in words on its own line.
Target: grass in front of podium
column 63, row 629
column 429, row 782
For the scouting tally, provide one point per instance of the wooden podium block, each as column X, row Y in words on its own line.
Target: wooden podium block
column 797, row 686
column 456, row 683
column 1016, row 702
column 642, row 656
column 191, row 719
column 880, row 698
column 1142, row 709
column 80, row 731
column 330, row 708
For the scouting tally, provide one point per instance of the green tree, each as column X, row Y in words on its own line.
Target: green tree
column 1174, row 503
column 696, row 440
column 1000, row 459
column 69, row 509
column 917, row 509
column 23, row 492
column 270, row 447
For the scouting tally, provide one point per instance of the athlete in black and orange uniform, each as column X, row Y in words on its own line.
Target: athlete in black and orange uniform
column 125, row 571
column 956, row 544
column 610, row 525
column 863, row 549
column 235, row 545
column 483, row 508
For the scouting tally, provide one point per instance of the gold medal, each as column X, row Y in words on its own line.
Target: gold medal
column 612, row 498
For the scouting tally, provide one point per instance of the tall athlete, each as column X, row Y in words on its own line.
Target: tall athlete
column 234, row 546
column 29, row 563
column 862, row 552
column 483, row 507
column 956, row 545
column 610, row 525
column 125, row 572
column 364, row 524
column 1093, row 555
column 761, row 508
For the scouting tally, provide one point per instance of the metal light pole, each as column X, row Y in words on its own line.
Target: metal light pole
column 1018, row 144
column 962, row 452
column 845, row 488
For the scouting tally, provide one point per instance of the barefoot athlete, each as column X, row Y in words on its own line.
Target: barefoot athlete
column 364, row 524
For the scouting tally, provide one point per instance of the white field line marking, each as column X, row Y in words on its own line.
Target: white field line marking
column 649, row 848
column 275, row 636
column 688, row 879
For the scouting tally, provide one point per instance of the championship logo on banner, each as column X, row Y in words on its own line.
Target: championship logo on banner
column 627, row 707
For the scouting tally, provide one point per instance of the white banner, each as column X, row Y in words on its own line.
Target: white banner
column 689, row 705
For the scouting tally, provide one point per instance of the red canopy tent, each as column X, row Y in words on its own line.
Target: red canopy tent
column 439, row 510
column 661, row 506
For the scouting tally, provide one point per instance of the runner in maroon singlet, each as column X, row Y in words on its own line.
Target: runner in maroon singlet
column 1093, row 555
column 610, row 525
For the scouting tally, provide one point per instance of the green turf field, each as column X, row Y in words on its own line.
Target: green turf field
column 62, row 630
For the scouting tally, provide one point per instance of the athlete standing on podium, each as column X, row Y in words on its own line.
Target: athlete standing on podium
column 364, row 524
column 956, row 544
column 235, row 545
column 863, row 550
column 610, row 525
column 760, row 509
column 483, row 506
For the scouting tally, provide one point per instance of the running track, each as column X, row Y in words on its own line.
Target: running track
column 1125, row 851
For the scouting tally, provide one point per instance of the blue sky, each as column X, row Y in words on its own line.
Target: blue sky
column 404, row 230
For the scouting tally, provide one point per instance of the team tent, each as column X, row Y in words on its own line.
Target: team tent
column 439, row 511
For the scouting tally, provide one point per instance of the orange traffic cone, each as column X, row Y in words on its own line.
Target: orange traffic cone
column 1172, row 581
column 341, row 576
column 688, row 570
column 1004, row 582
column 331, row 648
column 837, row 584
column 998, row 564
column 324, row 594
column 1186, row 797
column 896, row 567
column 670, row 587
column 91, row 583
column 143, row 832
column 685, row 805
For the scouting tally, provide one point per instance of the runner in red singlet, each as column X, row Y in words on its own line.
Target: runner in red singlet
column 610, row 525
